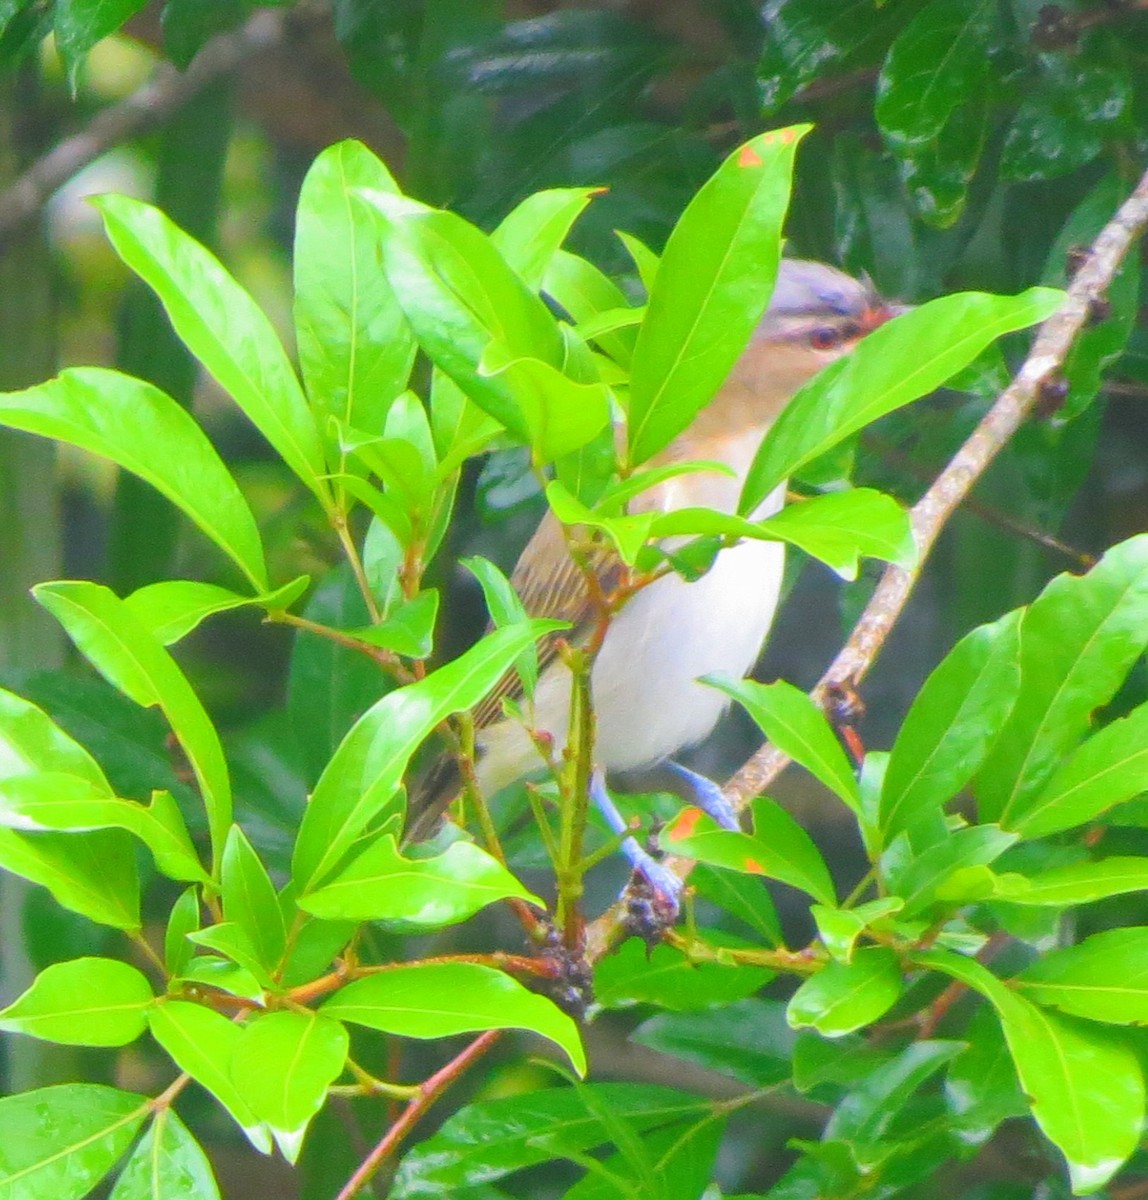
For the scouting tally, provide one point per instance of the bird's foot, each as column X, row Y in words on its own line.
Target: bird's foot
column 701, row 791
column 658, row 897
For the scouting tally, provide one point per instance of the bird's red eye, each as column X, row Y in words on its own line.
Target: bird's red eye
column 825, row 337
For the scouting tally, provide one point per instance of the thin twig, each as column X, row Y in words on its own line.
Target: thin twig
column 428, row 1092
column 150, row 105
column 938, row 504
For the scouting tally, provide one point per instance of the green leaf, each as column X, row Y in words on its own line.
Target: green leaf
column 183, row 920
column 673, row 980
column 798, row 728
column 232, row 941
column 1079, row 638
column 981, row 1087
column 189, row 24
column 748, row 1040
column 1104, row 978
column 628, row 533
column 839, row 928
column 505, row 608
column 1111, row 767
column 143, row 430
column 714, row 282
column 202, row 1043
column 561, row 416
column 167, row 1162
column 489, row 1139
column 939, row 61
column 646, row 262
column 130, row 658
column 742, row 897
column 249, row 899
column 951, row 725
column 459, row 294
column 843, row 997
column 416, row 893
column 408, row 628
column 223, row 976
column 586, row 293
column 173, row 608
column 31, row 741
column 59, row 1142
column 68, row 803
column 778, row 848
column 355, row 346
column 282, row 1065
column 84, row 1002
column 919, row 880
column 223, row 327
column 530, row 235
column 79, row 24
column 433, row 1000
column 1086, row 1090
column 842, row 527
column 93, row 874
column 367, row 769
column 1077, row 883
column 897, row 363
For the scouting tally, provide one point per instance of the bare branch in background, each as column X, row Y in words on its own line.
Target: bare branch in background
column 148, row 106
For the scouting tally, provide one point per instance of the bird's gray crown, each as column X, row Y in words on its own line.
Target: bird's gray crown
column 808, row 290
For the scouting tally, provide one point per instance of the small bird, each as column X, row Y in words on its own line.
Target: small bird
column 648, row 703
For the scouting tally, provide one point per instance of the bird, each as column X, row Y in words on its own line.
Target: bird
column 647, row 698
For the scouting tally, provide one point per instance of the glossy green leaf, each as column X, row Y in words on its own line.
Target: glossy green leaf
column 505, row 608
column 249, row 899
column 842, row 527
column 224, row 976
column 182, row 920
column 416, row 893
column 223, row 327
column 1077, row 883
column 141, row 429
column 919, row 880
column 561, row 416
column 981, row 1087
column 673, row 980
column 951, row 725
column 173, row 608
column 1078, row 640
column 434, row 1000
column 232, row 941
column 897, row 363
column 202, row 1042
column 1086, row 1090
column 93, row 874
column 778, row 848
column 31, row 741
column 937, row 63
column 408, row 628
column 491, row 1138
column 130, row 658
column 714, row 282
column 839, row 928
column 167, row 1163
column 59, row 1142
column 799, row 729
column 1103, row 978
column 68, row 803
column 282, row 1065
column 843, row 997
column 84, row 1002
column 189, row 24
column 742, row 897
column 646, row 262
column 628, row 533
column 1111, row 767
column 355, row 346
column 366, row 771
column 530, row 235
column 79, row 24
column 748, row 1040
column 586, row 293
column 865, row 1115
column 459, row 294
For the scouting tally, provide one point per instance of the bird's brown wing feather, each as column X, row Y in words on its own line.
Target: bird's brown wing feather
column 550, row 584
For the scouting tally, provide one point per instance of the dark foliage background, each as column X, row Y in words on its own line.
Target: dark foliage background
column 970, row 144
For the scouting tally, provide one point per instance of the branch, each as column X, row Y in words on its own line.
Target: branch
column 150, row 105
column 937, row 505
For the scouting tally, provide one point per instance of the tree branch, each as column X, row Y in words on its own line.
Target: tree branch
column 938, row 504
column 148, row 106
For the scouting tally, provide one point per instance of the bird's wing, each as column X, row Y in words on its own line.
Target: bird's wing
column 550, row 584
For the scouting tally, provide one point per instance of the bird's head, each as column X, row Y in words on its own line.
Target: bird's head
column 816, row 315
